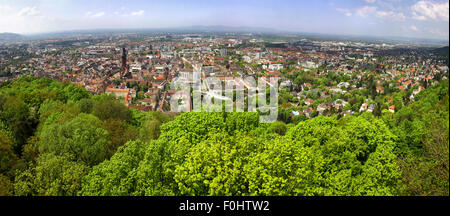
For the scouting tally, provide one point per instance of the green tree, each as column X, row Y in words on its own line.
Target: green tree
column 75, row 93
column 7, row 156
column 119, row 133
column 151, row 130
column 117, row 176
column 17, row 116
column 278, row 127
column 85, row 105
column 106, row 107
column 52, row 176
column 215, row 166
column 82, row 137
column 6, row 187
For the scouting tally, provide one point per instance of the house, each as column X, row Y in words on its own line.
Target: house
column 309, row 101
column 275, row 67
column 136, row 67
column 337, row 90
column 380, row 89
column 121, row 93
column 363, row 107
column 371, row 108
column 151, row 100
column 189, row 75
column 392, row 108
column 285, row 84
column 343, row 84
column 308, row 64
column 339, row 104
column 247, row 59
column 308, row 112
column 145, row 102
column 306, row 86
column 296, row 113
column 322, row 108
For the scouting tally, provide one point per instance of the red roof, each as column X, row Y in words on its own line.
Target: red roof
column 381, row 88
column 116, row 90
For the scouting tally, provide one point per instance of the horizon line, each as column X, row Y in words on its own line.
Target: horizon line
column 251, row 30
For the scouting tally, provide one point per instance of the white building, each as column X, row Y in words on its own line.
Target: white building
column 136, row 67
column 275, row 67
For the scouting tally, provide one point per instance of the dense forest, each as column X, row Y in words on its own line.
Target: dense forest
column 56, row 139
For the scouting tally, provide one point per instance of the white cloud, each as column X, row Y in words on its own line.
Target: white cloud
column 427, row 10
column 25, row 20
column 28, row 11
column 344, row 11
column 95, row 15
column 414, row 28
column 370, row 1
column 390, row 15
column 99, row 14
column 366, row 11
column 137, row 13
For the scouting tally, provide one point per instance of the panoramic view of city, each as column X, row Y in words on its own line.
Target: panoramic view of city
column 224, row 98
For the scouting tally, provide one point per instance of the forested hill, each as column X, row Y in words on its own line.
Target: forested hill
column 443, row 51
column 10, row 37
column 57, row 139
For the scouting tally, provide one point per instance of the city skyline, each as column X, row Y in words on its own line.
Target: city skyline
column 387, row 18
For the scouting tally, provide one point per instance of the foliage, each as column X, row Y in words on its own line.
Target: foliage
column 423, row 144
column 7, row 156
column 57, row 140
column 52, row 176
column 6, row 187
column 117, row 175
column 106, row 107
column 278, row 127
column 82, row 138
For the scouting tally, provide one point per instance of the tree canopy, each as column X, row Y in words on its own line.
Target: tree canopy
column 57, row 139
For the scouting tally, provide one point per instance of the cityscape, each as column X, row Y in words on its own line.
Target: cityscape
column 316, row 77
column 216, row 109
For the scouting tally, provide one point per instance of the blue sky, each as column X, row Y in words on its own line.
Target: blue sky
column 407, row 18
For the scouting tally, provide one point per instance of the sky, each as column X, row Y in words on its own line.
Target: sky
column 427, row 19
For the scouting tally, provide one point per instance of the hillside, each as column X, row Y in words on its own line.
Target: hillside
column 8, row 37
column 443, row 51
column 94, row 145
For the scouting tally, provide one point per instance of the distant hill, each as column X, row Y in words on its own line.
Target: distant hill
column 221, row 28
column 10, row 37
column 444, row 51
